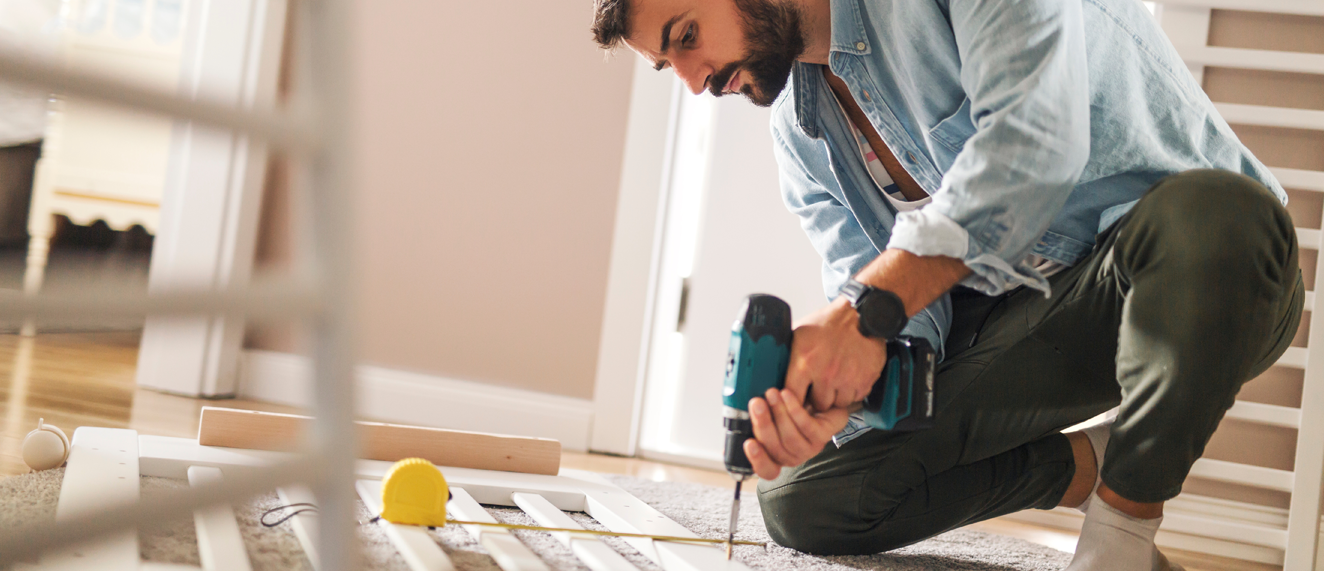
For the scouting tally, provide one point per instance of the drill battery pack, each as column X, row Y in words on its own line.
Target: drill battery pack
column 902, row 399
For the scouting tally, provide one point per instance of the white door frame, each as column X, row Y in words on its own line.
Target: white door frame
column 210, row 210
column 635, row 257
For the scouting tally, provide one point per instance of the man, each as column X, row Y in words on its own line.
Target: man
column 1047, row 195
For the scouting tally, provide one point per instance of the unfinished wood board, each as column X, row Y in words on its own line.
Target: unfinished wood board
column 387, row 442
column 220, row 545
column 414, row 543
column 597, row 555
column 102, row 472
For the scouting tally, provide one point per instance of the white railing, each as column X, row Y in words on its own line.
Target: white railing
column 319, row 133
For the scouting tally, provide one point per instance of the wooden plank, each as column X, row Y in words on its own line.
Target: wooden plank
column 1244, row 474
column 171, row 457
column 1241, row 58
column 1299, row 178
column 102, row 472
column 595, row 554
column 1295, row 357
column 1308, row 238
column 1301, row 7
column 1262, row 115
column 1270, row 414
column 220, row 545
column 510, row 554
column 305, row 525
column 414, row 543
column 387, row 442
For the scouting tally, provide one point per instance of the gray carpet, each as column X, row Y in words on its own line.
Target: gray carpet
column 702, row 509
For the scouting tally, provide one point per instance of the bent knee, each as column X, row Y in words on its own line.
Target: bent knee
column 1216, row 218
column 822, row 517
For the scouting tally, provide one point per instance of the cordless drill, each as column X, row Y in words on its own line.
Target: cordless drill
column 760, row 350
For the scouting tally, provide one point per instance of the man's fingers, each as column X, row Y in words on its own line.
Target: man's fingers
column 817, row 428
column 765, row 430
column 758, row 459
column 792, row 439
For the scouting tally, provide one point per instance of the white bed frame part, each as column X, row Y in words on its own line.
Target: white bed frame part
column 105, row 463
column 316, row 130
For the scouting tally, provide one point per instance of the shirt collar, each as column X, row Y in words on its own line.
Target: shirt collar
column 848, row 36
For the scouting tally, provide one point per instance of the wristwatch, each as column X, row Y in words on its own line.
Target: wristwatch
column 882, row 314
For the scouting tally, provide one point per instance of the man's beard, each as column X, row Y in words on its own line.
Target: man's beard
column 774, row 36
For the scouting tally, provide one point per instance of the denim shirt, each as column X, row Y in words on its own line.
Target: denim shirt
column 1033, row 124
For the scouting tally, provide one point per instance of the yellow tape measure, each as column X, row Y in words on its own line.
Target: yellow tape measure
column 415, row 493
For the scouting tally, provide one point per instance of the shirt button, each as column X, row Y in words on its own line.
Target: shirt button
column 911, row 156
column 866, row 96
column 860, row 46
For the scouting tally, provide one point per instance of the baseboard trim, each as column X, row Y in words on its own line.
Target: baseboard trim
column 391, row 395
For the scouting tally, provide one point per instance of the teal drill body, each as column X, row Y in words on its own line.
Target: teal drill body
column 760, row 349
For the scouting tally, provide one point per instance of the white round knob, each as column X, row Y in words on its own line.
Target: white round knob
column 46, row 447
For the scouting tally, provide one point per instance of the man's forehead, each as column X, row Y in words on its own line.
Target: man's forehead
column 649, row 18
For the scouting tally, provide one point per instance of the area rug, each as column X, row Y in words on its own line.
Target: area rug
column 702, row 509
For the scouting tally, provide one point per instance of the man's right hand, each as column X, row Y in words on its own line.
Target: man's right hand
column 786, row 434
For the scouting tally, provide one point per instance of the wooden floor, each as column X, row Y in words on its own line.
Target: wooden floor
column 73, row 380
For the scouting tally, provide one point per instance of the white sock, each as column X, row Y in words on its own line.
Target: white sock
column 1113, row 541
column 1098, row 437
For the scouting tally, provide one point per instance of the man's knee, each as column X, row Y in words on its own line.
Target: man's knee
column 822, row 516
column 1214, row 217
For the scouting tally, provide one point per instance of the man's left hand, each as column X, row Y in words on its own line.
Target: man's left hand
column 831, row 360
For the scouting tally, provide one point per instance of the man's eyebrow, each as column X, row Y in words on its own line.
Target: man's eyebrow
column 666, row 33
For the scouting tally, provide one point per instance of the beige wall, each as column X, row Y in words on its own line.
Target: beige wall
column 1293, row 148
column 490, row 156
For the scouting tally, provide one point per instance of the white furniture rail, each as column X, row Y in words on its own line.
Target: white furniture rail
column 1228, row 528
column 318, row 133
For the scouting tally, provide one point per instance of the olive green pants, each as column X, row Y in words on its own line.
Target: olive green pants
column 1191, row 294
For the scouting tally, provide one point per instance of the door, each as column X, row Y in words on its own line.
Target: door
column 727, row 235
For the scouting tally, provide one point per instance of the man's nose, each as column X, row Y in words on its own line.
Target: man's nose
column 695, row 75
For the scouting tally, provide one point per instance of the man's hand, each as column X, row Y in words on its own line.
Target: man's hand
column 831, row 361
column 785, row 434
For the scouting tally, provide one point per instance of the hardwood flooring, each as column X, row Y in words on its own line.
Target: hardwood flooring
column 77, row 379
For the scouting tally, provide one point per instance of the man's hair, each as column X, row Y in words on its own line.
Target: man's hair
column 611, row 22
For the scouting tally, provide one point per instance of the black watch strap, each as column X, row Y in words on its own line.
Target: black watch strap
column 882, row 313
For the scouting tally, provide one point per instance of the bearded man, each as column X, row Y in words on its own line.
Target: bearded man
column 1041, row 190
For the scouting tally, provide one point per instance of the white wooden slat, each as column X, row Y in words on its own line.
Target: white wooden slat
column 1308, row 238
column 595, row 554
column 1275, row 537
column 305, row 525
column 1259, row 413
column 1244, row 474
column 1299, row 178
column 620, row 511
column 102, row 471
column 414, row 543
column 220, row 545
column 1294, row 358
column 1310, row 301
column 510, row 554
column 1237, row 113
column 1241, row 58
column 1301, row 7
column 1186, row 26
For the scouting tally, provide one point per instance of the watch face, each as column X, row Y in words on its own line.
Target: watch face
column 881, row 315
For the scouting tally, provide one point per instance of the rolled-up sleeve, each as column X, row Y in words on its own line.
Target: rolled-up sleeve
column 1024, row 71
column 842, row 243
